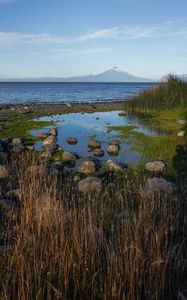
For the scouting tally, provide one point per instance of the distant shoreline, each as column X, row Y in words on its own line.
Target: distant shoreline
column 59, row 108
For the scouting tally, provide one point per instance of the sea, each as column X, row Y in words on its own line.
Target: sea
column 31, row 92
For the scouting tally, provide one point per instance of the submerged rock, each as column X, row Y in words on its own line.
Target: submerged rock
column 99, row 152
column 90, row 185
column 122, row 114
column 112, row 149
column 88, row 165
column 156, row 166
column 113, row 166
column 72, row 140
column 158, row 186
column 93, row 144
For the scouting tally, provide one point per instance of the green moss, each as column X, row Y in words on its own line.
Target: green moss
column 20, row 126
column 152, row 148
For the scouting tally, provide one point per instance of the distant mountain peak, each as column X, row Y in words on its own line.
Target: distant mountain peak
column 116, row 69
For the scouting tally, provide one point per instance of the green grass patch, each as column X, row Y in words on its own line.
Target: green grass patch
column 152, row 147
column 19, row 127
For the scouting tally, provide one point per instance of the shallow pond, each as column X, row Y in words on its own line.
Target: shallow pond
column 99, row 125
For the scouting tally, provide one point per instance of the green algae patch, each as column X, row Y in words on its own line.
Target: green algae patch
column 152, row 147
column 19, row 127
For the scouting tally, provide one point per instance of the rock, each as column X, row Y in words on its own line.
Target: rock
column 68, row 157
column 122, row 114
column 156, row 166
column 115, row 142
column 113, row 166
column 88, row 165
column 16, row 141
column 49, row 140
column 53, row 132
column 3, row 172
column 51, row 147
column 13, row 194
column 42, row 135
column 72, row 140
column 181, row 122
column 18, row 148
column 90, row 185
column 76, row 178
column 30, row 148
column 112, row 149
column 181, row 133
column 37, row 170
column 17, row 144
column 158, row 186
column 99, row 152
column 93, row 144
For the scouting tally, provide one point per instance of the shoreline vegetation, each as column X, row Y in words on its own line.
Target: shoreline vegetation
column 98, row 231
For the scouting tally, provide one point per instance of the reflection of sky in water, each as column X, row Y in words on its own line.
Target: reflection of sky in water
column 84, row 126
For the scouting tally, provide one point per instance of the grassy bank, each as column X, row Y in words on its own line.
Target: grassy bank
column 166, row 100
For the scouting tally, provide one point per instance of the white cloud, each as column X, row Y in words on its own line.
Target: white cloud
column 169, row 28
column 57, row 54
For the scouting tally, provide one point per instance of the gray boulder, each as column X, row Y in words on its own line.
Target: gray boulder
column 158, row 186
column 16, row 141
column 88, row 165
column 90, row 185
column 113, row 149
column 49, row 140
column 113, row 166
column 155, row 166
column 68, row 157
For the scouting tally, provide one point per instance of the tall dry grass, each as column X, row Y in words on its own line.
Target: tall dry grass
column 114, row 246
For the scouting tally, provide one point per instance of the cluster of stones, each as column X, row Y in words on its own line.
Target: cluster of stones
column 86, row 168
column 95, row 146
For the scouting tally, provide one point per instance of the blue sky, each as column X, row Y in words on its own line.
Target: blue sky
column 38, row 38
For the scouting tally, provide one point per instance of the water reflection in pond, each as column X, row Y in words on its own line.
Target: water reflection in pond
column 97, row 125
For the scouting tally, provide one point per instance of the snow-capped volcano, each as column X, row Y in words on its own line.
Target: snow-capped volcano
column 111, row 75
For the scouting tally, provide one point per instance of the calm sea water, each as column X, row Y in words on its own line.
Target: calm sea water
column 13, row 93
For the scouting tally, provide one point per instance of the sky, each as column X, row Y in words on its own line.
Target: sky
column 62, row 38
